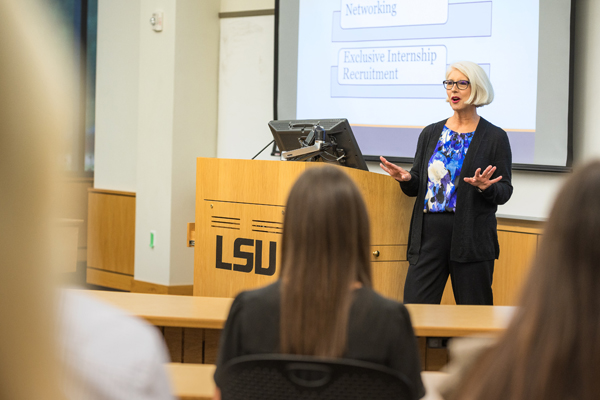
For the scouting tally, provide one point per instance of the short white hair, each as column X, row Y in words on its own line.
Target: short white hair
column 482, row 92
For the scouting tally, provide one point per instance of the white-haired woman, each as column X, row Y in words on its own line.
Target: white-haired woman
column 461, row 173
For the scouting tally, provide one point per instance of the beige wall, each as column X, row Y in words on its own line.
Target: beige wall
column 586, row 105
column 156, row 112
column 245, row 93
column 246, row 5
column 117, row 86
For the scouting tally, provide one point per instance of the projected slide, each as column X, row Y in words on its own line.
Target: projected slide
column 380, row 63
column 369, row 14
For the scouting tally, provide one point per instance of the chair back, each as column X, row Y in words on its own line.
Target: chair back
column 291, row 377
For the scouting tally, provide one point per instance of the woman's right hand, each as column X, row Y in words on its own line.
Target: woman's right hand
column 399, row 174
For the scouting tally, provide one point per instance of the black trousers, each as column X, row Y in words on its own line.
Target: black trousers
column 425, row 281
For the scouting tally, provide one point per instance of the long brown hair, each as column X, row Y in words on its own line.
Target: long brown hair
column 325, row 250
column 551, row 349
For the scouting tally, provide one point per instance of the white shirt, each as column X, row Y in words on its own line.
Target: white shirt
column 110, row 354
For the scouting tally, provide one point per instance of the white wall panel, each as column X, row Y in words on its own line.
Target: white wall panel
column 245, row 87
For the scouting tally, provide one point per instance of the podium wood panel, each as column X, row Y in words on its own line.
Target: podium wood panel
column 517, row 249
column 516, row 253
column 242, row 199
column 389, row 278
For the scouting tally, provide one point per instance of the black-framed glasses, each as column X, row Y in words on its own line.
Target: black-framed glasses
column 462, row 85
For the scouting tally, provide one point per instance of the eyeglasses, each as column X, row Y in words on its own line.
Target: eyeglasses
column 462, row 85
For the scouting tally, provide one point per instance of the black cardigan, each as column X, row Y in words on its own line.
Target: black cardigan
column 474, row 236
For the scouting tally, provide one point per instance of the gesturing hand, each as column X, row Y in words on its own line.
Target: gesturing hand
column 399, row 174
column 482, row 180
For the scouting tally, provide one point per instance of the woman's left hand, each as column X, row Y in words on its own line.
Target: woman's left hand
column 482, row 180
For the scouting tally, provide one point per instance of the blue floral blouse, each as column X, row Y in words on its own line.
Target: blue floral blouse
column 444, row 169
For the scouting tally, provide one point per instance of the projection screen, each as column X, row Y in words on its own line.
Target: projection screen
column 381, row 63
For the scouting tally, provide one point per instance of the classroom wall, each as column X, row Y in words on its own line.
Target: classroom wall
column 124, row 111
column 245, row 94
column 246, row 5
column 157, row 112
column 117, row 85
column 535, row 191
column 155, row 143
column 587, row 100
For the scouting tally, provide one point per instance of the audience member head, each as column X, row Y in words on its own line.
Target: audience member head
column 32, row 118
column 325, row 252
column 552, row 348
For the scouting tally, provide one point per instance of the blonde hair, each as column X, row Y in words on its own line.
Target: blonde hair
column 482, row 92
column 33, row 115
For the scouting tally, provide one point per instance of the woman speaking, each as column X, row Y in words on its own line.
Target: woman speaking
column 461, row 173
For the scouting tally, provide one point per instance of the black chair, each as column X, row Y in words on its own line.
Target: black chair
column 289, row 377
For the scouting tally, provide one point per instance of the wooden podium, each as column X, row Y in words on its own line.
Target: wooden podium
column 240, row 207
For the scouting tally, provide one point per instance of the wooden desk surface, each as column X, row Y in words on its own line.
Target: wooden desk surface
column 453, row 321
column 211, row 313
column 171, row 310
column 195, row 381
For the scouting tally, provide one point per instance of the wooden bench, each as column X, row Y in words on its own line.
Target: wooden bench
column 191, row 325
column 195, row 381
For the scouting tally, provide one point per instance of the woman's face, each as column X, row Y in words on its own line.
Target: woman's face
column 456, row 96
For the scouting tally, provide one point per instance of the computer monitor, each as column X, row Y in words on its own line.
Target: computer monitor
column 322, row 140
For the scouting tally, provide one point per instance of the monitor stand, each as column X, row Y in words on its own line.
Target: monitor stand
column 304, row 153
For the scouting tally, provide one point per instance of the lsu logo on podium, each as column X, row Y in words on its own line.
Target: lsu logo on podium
column 254, row 259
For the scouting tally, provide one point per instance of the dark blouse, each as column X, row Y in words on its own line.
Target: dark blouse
column 379, row 331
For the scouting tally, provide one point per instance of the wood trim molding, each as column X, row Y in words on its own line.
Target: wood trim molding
column 181, row 290
column 521, row 225
column 113, row 192
column 109, row 279
column 125, row 282
column 148, row 287
column 250, row 13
